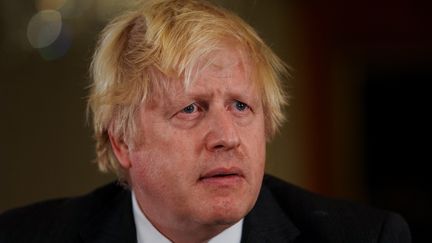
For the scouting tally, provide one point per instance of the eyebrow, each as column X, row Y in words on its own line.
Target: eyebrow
column 240, row 95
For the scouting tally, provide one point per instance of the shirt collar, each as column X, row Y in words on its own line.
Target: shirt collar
column 147, row 233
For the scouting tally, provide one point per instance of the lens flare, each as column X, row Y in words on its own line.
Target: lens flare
column 44, row 28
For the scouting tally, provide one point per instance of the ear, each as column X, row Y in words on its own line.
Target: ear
column 121, row 150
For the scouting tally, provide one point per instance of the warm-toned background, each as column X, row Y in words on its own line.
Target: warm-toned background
column 358, row 124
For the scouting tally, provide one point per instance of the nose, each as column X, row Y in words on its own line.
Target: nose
column 222, row 132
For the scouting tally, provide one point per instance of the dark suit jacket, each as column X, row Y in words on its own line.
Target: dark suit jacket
column 283, row 213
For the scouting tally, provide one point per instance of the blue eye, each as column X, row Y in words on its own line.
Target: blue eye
column 189, row 109
column 241, row 106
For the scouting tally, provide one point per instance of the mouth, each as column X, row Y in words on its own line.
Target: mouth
column 222, row 176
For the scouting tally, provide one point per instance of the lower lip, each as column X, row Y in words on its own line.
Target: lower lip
column 222, row 180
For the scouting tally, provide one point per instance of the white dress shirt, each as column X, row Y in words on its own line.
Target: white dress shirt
column 147, row 233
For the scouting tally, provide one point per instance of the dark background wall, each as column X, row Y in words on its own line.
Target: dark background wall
column 358, row 123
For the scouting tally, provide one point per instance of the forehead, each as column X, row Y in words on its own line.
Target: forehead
column 224, row 59
column 228, row 64
column 227, row 70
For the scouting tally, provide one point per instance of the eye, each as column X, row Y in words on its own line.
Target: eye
column 189, row 112
column 241, row 106
column 190, row 109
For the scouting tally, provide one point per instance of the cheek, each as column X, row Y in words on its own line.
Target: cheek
column 259, row 158
column 144, row 166
column 163, row 158
column 253, row 139
column 151, row 174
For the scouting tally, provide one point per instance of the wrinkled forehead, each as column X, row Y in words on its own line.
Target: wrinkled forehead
column 223, row 62
column 226, row 61
column 224, row 57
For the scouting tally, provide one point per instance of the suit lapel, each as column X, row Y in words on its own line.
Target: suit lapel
column 113, row 222
column 267, row 222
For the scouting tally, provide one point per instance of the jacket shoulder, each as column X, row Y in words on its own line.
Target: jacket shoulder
column 333, row 220
column 54, row 219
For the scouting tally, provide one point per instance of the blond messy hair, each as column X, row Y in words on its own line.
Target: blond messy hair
column 164, row 40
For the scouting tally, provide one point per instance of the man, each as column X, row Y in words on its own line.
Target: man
column 184, row 97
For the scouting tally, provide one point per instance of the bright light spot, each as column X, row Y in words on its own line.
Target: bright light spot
column 59, row 48
column 49, row 4
column 44, row 28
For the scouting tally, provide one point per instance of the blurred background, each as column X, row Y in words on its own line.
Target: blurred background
column 358, row 126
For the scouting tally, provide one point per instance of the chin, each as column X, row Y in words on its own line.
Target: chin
column 227, row 220
column 223, row 215
column 225, row 209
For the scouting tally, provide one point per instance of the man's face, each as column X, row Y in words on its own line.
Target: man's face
column 200, row 159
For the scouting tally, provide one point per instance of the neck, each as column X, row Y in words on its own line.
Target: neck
column 179, row 231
